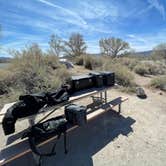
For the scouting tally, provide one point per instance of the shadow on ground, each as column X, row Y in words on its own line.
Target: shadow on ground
column 84, row 142
column 12, row 138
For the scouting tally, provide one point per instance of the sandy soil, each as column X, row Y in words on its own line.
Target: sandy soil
column 136, row 137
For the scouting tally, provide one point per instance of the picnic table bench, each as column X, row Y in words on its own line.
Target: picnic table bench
column 19, row 149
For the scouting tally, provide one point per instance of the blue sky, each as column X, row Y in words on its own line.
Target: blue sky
column 142, row 23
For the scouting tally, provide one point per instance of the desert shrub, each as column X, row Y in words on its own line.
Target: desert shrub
column 97, row 62
column 129, row 89
column 34, row 71
column 3, row 87
column 51, row 61
column 156, row 67
column 124, row 76
column 129, row 62
column 141, row 69
column 153, row 69
column 79, row 60
column 159, row 83
column 6, row 81
column 88, row 61
column 150, row 67
column 92, row 62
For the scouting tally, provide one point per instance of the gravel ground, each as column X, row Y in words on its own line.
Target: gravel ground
column 137, row 137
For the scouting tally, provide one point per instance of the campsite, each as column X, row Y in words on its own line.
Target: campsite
column 83, row 83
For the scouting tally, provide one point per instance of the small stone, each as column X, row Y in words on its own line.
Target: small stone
column 160, row 93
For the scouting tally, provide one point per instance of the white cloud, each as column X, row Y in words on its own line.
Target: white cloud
column 145, row 42
column 154, row 4
column 144, row 10
column 136, row 38
column 41, row 24
column 65, row 14
column 84, row 11
column 158, row 6
column 90, row 18
column 97, row 9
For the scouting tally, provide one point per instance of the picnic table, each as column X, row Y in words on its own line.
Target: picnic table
column 21, row 148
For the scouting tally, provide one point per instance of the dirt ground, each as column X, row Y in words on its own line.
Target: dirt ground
column 136, row 137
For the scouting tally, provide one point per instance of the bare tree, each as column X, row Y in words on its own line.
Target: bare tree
column 76, row 45
column 56, row 45
column 112, row 46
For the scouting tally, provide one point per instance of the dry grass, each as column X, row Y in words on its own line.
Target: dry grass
column 150, row 68
column 88, row 61
column 124, row 76
column 32, row 71
column 128, row 62
column 159, row 83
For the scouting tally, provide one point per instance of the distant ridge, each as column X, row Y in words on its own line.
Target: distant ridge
column 143, row 53
column 5, row 59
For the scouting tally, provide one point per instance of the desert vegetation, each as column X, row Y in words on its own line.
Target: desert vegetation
column 112, row 46
column 159, row 83
column 126, row 67
column 32, row 69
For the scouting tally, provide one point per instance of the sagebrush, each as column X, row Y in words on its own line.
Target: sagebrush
column 33, row 71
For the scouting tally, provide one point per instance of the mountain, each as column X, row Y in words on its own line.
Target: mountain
column 143, row 53
column 5, row 59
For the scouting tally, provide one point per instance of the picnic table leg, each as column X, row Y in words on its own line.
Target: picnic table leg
column 31, row 121
column 37, row 159
column 101, row 96
column 119, row 108
column 105, row 96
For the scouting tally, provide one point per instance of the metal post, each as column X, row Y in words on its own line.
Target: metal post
column 101, row 96
column 31, row 121
column 119, row 108
column 105, row 96
column 36, row 158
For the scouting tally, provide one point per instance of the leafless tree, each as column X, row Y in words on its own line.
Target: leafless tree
column 75, row 46
column 56, row 45
column 112, row 46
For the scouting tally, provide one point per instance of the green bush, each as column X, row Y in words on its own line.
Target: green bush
column 159, row 83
